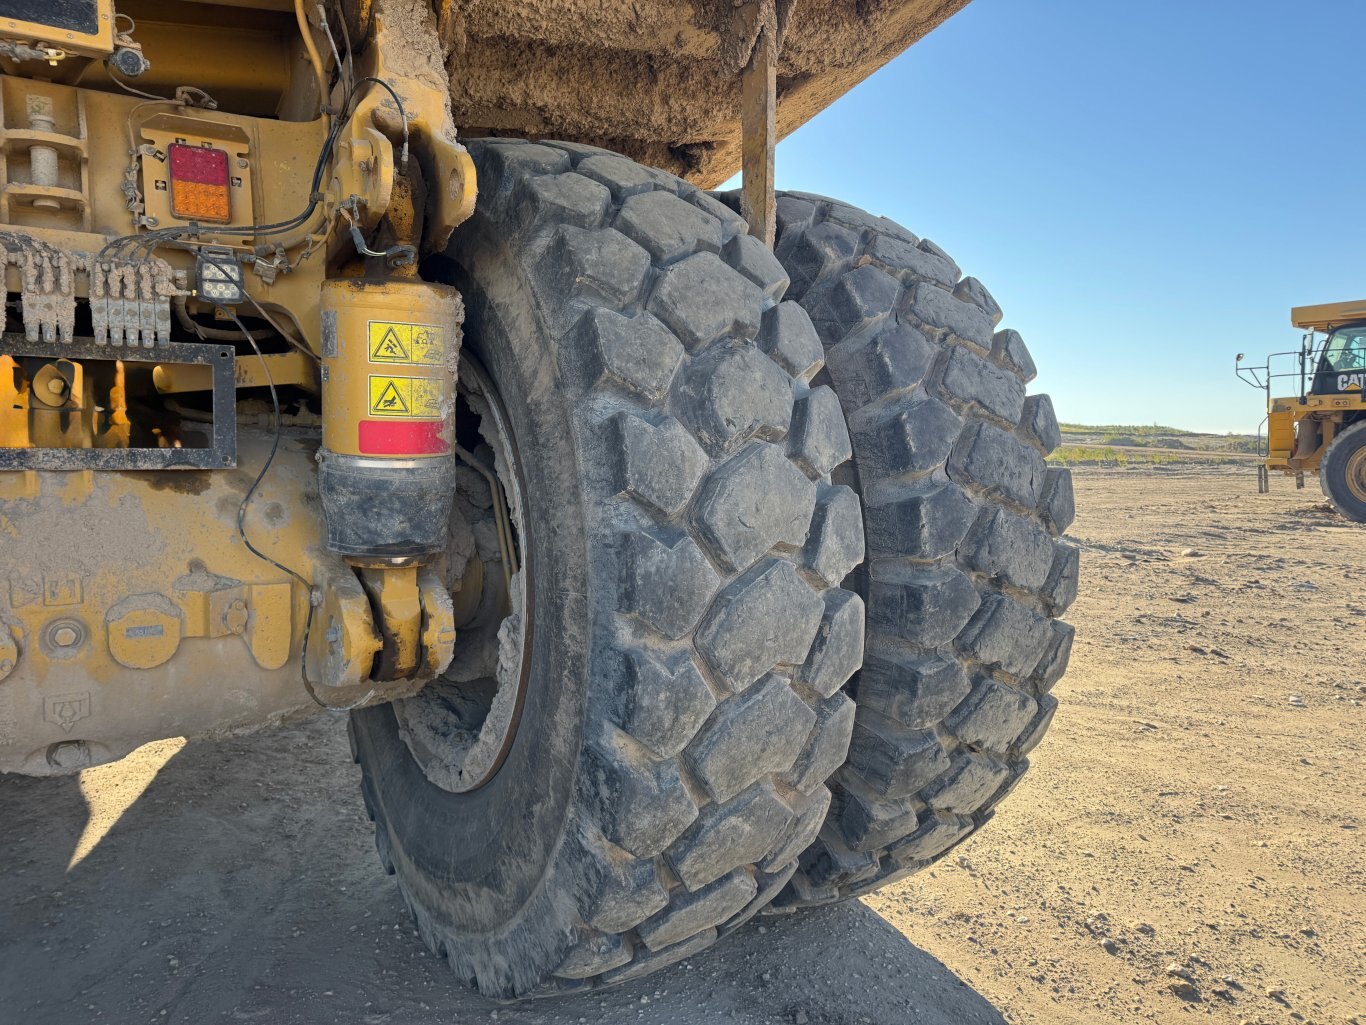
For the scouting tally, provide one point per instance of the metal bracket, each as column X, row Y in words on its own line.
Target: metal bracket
column 759, row 136
column 221, row 453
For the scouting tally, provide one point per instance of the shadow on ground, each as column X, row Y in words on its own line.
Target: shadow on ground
column 242, row 885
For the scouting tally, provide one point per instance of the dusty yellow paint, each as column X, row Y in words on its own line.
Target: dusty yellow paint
column 1299, row 431
column 134, row 607
column 278, row 368
column 398, row 604
column 67, row 43
column 1326, row 316
column 364, row 316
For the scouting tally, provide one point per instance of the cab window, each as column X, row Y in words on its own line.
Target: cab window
column 1346, row 348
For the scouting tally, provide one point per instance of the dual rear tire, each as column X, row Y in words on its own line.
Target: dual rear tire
column 965, row 573
column 682, row 546
column 694, row 577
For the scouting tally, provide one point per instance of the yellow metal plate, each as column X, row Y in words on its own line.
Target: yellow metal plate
column 71, row 40
column 410, row 398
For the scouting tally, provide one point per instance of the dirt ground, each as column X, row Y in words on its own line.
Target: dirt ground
column 1188, row 846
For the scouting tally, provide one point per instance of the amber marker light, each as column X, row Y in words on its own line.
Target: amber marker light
column 199, row 183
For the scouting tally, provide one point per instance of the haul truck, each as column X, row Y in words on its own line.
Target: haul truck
column 675, row 556
column 1321, row 429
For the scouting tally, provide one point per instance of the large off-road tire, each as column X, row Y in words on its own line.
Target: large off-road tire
column 965, row 574
column 686, row 637
column 1342, row 472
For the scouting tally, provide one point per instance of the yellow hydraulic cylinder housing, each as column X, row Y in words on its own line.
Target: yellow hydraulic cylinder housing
column 387, row 468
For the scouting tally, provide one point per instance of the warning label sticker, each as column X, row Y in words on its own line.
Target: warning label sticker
column 419, row 345
column 412, row 398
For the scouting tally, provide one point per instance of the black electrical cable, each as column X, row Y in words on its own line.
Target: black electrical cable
column 296, row 345
column 157, row 236
column 274, row 449
column 402, row 116
column 309, row 588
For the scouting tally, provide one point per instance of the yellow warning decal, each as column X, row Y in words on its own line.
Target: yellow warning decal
column 422, row 345
column 412, row 398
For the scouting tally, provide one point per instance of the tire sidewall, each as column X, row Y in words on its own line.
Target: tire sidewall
column 1333, row 472
column 510, row 829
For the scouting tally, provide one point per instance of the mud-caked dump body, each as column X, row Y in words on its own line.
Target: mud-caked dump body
column 656, row 80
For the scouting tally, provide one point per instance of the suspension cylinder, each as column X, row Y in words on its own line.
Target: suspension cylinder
column 387, row 473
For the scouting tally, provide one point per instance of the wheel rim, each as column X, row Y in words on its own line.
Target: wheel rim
column 460, row 729
column 1354, row 474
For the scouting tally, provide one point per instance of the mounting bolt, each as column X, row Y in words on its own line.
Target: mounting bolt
column 65, row 636
column 235, row 617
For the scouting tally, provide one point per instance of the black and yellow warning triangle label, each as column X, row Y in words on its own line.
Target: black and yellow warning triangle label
column 387, row 398
column 413, row 398
column 389, row 346
column 392, row 341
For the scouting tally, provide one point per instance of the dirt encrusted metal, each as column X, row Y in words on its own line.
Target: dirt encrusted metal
column 658, row 80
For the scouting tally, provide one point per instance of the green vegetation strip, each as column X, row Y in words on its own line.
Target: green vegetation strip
column 1098, row 455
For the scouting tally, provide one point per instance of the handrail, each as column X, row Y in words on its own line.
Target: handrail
column 1306, row 359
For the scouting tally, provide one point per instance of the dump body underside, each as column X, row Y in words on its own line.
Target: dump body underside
column 658, row 80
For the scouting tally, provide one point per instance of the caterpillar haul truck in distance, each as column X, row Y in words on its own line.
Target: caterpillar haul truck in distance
column 1322, row 429
column 675, row 556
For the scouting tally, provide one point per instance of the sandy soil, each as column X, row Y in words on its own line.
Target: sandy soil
column 1189, row 842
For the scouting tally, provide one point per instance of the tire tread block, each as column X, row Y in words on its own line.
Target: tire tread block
column 837, row 650
column 834, row 545
column 768, row 617
column 1006, row 635
column 993, row 717
column 894, row 762
column 913, row 692
column 643, row 802
column 658, row 464
column 692, row 913
column 826, row 747
column 667, row 582
column 755, row 501
column 738, row 832
column 756, row 733
column 639, row 352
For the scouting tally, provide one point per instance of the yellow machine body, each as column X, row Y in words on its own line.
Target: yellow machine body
column 390, row 349
column 1298, row 431
column 1299, row 428
column 126, row 592
column 131, row 605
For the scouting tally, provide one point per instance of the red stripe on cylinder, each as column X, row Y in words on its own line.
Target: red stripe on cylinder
column 395, row 437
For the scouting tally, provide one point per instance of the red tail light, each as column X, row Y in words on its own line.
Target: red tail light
column 199, row 183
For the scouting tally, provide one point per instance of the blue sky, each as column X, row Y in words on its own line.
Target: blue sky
column 1146, row 188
